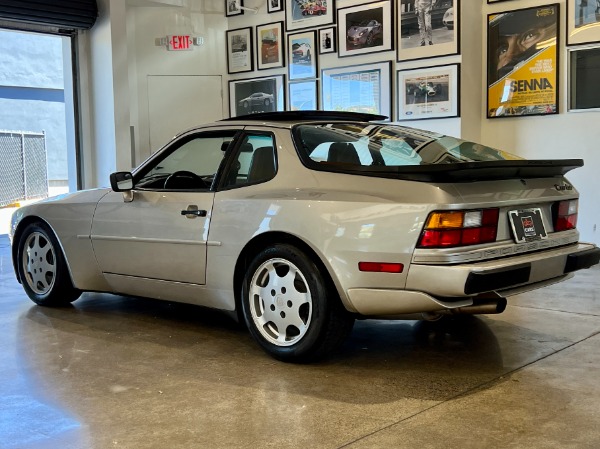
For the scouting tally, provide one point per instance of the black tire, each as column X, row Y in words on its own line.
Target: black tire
column 300, row 298
column 267, row 102
column 42, row 267
column 245, row 105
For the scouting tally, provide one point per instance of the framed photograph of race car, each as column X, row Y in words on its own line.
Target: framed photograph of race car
column 251, row 96
column 428, row 29
column 239, row 50
column 300, row 14
column 358, row 88
column 270, row 46
column 302, row 55
column 522, row 62
column 365, row 28
column 429, row 92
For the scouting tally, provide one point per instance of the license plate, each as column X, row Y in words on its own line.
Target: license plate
column 527, row 225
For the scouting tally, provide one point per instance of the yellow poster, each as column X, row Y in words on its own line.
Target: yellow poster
column 522, row 62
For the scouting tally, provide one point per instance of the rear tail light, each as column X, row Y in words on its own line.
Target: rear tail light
column 565, row 215
column 459, row 228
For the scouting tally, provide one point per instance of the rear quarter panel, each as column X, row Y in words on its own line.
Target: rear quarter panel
column 347, row 219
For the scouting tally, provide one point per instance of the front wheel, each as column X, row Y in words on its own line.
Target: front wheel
column 290, row 308
column 42, row 267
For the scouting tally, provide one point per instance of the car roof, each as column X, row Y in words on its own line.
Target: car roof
column 285, row 119
column 305, row 116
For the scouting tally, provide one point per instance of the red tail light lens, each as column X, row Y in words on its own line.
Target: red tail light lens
column 381, row 267
column 459, row 228
column 565, row 215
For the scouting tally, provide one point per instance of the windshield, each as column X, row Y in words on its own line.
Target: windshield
column 349, row 145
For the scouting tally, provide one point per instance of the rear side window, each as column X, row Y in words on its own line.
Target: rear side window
column 254, row 161
column 373, row 147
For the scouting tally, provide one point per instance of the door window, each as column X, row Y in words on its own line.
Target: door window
column 191, row 164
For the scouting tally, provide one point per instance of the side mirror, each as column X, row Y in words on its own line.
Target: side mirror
column 121, row 181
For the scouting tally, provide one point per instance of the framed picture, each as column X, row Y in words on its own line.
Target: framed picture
column 232, row 8
column 584, row 73
column 302, row 55
column 522, row 62
column 495, row 1
column 365, row 28
column 302, row 96
column 428, row 31
column 270, row 46
column 583, row 21
column 250, row 96
column 301, row 14
column 429, row 92
column 274, row 6
column 239, row 50
column 327, row 40
column 359, row 88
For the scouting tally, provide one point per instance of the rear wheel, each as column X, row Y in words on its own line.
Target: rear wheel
column 290, row 308
column 42, row 268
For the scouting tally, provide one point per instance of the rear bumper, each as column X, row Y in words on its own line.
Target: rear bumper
column 431, row 288
column 501, row 274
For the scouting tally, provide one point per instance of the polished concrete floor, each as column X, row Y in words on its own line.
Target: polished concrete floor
column 119, row 372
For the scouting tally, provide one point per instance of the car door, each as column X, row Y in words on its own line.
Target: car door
column 159, row 230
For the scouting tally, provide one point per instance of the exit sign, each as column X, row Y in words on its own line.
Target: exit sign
column 179, row 43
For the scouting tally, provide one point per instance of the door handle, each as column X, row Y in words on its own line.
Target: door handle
column 192, row 212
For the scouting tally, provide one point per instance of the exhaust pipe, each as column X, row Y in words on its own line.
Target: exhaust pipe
column 489, row 307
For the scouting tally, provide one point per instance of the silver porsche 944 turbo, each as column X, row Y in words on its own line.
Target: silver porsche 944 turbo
column 298, row 223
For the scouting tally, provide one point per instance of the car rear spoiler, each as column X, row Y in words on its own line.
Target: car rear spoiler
column 465, row 171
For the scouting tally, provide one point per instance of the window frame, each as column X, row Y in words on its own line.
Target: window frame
column 233, row 156
column 173, row 146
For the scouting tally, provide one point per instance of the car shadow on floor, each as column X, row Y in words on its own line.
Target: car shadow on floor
column 415, row 359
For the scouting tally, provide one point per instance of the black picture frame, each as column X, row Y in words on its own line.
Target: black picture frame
column 297, row 17
column 327, row 40
column 373, row 81
column 303, row 95
column 231, row 8
column 583, row 22
column 584, row 72
column 442, row 39
column 428, row 93
column 270, row 46
column 241, row 90
column 527, row 83
column 303, row 57
column 274, row 6
column 366, row 28
column 239, row 50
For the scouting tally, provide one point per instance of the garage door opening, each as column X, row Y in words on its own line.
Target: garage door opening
column 37, row 119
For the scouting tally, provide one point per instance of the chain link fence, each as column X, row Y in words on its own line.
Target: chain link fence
column 23, row 166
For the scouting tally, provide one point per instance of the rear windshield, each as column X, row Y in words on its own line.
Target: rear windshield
column 352, row 146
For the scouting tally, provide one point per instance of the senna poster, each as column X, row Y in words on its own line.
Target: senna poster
column 522, row 62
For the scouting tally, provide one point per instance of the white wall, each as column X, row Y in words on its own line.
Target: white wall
column 205, row 19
